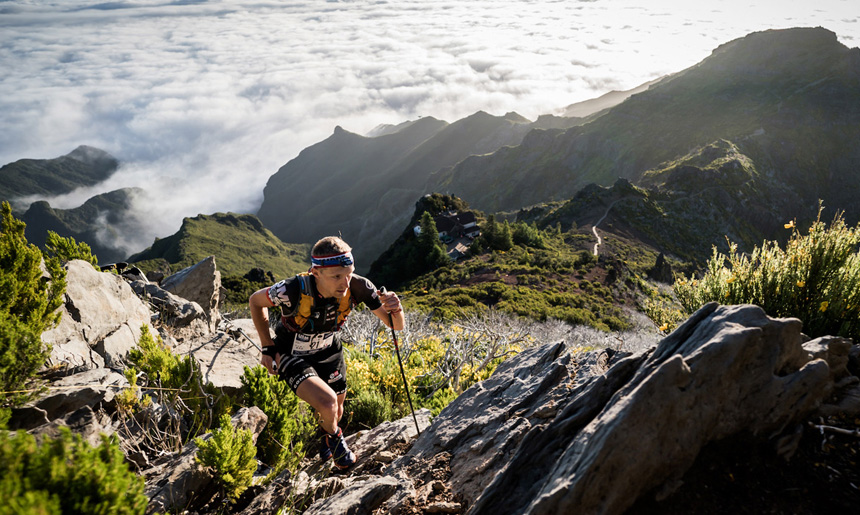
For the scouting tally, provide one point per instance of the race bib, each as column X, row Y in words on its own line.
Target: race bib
column 311, row 343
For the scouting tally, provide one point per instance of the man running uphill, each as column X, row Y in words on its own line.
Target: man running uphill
column 306, row 351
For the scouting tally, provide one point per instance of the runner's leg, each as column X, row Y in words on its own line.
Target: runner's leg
column 322, row 398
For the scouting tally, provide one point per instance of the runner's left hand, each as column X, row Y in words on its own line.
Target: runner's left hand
column 390, row 301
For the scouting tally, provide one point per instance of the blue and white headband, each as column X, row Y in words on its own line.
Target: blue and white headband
column 344, row 259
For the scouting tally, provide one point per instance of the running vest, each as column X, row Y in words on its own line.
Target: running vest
column 302, row 313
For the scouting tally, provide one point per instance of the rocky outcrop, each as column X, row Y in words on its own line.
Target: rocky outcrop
column 95, row 388
column 172, row 310
column 200, row 283
column 100, row 322
column 374, row 449
column 552, row 432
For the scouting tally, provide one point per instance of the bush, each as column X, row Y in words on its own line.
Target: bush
column 281, row 444
column 67, row 249
column 816, row 278
column 28, row 306
column 368, row 408
column 179, row 382
column 66, row 475
column 230, row 452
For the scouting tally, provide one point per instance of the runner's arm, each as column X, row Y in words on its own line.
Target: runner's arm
column 257, row 303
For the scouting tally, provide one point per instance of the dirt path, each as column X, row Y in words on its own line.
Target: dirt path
column 594, row 228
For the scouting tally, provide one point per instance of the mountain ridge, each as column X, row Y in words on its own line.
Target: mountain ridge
column 83, row 166
column 658, row 125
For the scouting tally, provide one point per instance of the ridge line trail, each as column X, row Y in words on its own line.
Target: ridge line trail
column 594, row 227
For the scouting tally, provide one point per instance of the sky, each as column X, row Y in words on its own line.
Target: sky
column 202, row 101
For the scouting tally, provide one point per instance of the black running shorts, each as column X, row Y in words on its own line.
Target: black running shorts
column 328, row 365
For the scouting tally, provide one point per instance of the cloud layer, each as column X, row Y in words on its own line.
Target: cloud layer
column 204, row 100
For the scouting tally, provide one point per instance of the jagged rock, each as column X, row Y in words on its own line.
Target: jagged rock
column 361, row 499
column 661, row 271
column 100, row 323
column 134, row 274
column 95, row 388
column 200, row 283
column 550, row 432
column 174, row 310
column 27, row 417
column 173, row 485
column 482, row 427
column 83, row 421
column 272, row 498
column 367, row 445
column 726, row 370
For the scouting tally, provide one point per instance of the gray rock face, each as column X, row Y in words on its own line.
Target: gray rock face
column 222, row 358
column 89, row 424
column 94, row 388
column 726, row 370
column 100, row 322
column 200, row 283
column 552, row 432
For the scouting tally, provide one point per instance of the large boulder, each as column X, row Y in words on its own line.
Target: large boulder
column 200, row 283
column 554, row 432
column 222, row 358
column 100, row 322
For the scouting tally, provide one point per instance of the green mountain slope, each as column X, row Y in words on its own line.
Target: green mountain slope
column 789, row 99
column 84, row 166
column 364, row 187
column 682, row 209
column 238, row 242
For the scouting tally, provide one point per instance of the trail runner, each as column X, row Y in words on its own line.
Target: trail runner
column 306, row 351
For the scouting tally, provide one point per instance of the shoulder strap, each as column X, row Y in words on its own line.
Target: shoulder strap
column 306, row 301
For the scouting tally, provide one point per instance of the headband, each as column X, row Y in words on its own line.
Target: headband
column 344, row 259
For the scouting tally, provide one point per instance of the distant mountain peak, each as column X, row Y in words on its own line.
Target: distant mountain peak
column 516, row 117
column 87, row 154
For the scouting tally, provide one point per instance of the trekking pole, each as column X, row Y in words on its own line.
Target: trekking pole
column 402, row 372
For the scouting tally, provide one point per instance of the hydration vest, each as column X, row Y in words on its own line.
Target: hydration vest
column 302, row 314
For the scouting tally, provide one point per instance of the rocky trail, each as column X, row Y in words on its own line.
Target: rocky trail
column 729, row 413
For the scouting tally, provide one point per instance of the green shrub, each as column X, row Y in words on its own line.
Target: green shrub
column 368, row 408
column 67, row 249
column 178, row 381
column 437, row 402
column 281, row 444
column 28, row 306
column 66, row 475
column 230, row 452
column 816, row 278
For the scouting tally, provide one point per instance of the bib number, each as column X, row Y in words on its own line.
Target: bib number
column 305, row 344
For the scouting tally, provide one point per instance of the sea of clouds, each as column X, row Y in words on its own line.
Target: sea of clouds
column 202, row 101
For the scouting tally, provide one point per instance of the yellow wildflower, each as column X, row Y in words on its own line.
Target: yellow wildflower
column 789, row 225
column 730, row 280
column 664, row 327
column 823, row 307
column 801, row 284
